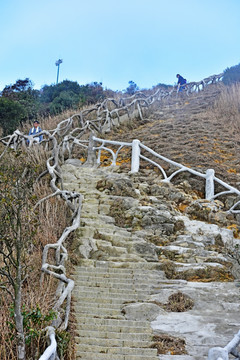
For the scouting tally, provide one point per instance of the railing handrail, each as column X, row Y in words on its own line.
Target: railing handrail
column 230, row 348
column 136, row 146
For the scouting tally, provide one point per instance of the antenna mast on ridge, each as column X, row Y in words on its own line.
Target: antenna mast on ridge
column 57, row 63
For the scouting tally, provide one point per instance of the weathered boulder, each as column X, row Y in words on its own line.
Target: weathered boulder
column 142, row 311
column 118, row 186
column 74, row 162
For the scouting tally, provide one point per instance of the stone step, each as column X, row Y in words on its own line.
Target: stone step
column 110, row 249
column 100, row 312
column 115, row 350
column 88, row 356
column 111, row 234
column 94, row 305
column 112, row 329
column 122, row 283
column 103, row 267
column 135, row 258
column 121, row 323
column 118, row 277
column 128, row 343
column 89, row 209
column 143, row 265
column 98, row 222
column 129, row 334
column 179, row 357
column 111, row 290
column 104, row 300
column 102, row 295
column 124, row 286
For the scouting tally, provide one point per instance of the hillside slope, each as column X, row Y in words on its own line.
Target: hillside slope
column 184, row 129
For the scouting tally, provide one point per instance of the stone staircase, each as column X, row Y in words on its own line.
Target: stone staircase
column 127, row 270
column 103, row 332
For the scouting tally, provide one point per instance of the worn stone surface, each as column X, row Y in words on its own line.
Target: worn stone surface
column 142, row 311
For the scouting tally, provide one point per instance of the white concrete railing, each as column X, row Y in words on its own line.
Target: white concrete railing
column 218, row 353
column 104, row 116
column 51, row 350
column 136, row 147
column 197, row 86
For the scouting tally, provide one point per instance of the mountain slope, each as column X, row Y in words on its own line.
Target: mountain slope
column 185, row 130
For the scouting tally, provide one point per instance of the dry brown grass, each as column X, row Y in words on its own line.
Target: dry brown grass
column 53, row 216
column 166, row 344
column 49, row 122
column 227, row 108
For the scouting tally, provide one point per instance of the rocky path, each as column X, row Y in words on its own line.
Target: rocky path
column 148, row 277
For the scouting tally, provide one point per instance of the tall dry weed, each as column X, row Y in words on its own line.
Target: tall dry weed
column 53, row 216
column 227, row 108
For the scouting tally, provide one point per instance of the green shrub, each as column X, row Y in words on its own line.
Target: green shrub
column 231, row 75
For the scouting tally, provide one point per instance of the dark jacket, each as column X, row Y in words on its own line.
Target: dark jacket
column 181, row 80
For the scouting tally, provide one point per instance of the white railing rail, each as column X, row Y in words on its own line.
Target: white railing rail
column 51, row 350
column 197, row 86
column 136, row 146
column 218, row 353
column 104, row 116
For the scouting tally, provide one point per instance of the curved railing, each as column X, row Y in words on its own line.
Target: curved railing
column 200, row 85
column 136, row 156
column 219, row 353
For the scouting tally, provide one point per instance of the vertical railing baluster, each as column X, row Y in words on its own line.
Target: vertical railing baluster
column 135, row 161
column 209, row 188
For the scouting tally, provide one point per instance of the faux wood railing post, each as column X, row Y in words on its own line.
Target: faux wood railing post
column 91, row 156
column 135, row 161
column 218, row 353
column 209, row 189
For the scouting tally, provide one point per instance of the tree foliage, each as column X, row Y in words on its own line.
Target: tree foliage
column 69, row 95
column 231, row 75
column 132, row 88
column 91, row 93
column 12, row 113
column 19, row 102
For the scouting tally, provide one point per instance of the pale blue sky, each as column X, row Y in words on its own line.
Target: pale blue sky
column 113, row 42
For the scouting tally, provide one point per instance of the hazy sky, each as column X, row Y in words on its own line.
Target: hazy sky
column 113, row 42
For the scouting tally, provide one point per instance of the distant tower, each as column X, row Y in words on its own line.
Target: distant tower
column 57, row 63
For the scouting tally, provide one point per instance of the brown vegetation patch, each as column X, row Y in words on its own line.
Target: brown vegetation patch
column 117, row 187
column 179, row 302
column 207, row 274
column 169, row 268
column 117, row 211
column 166, row 344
